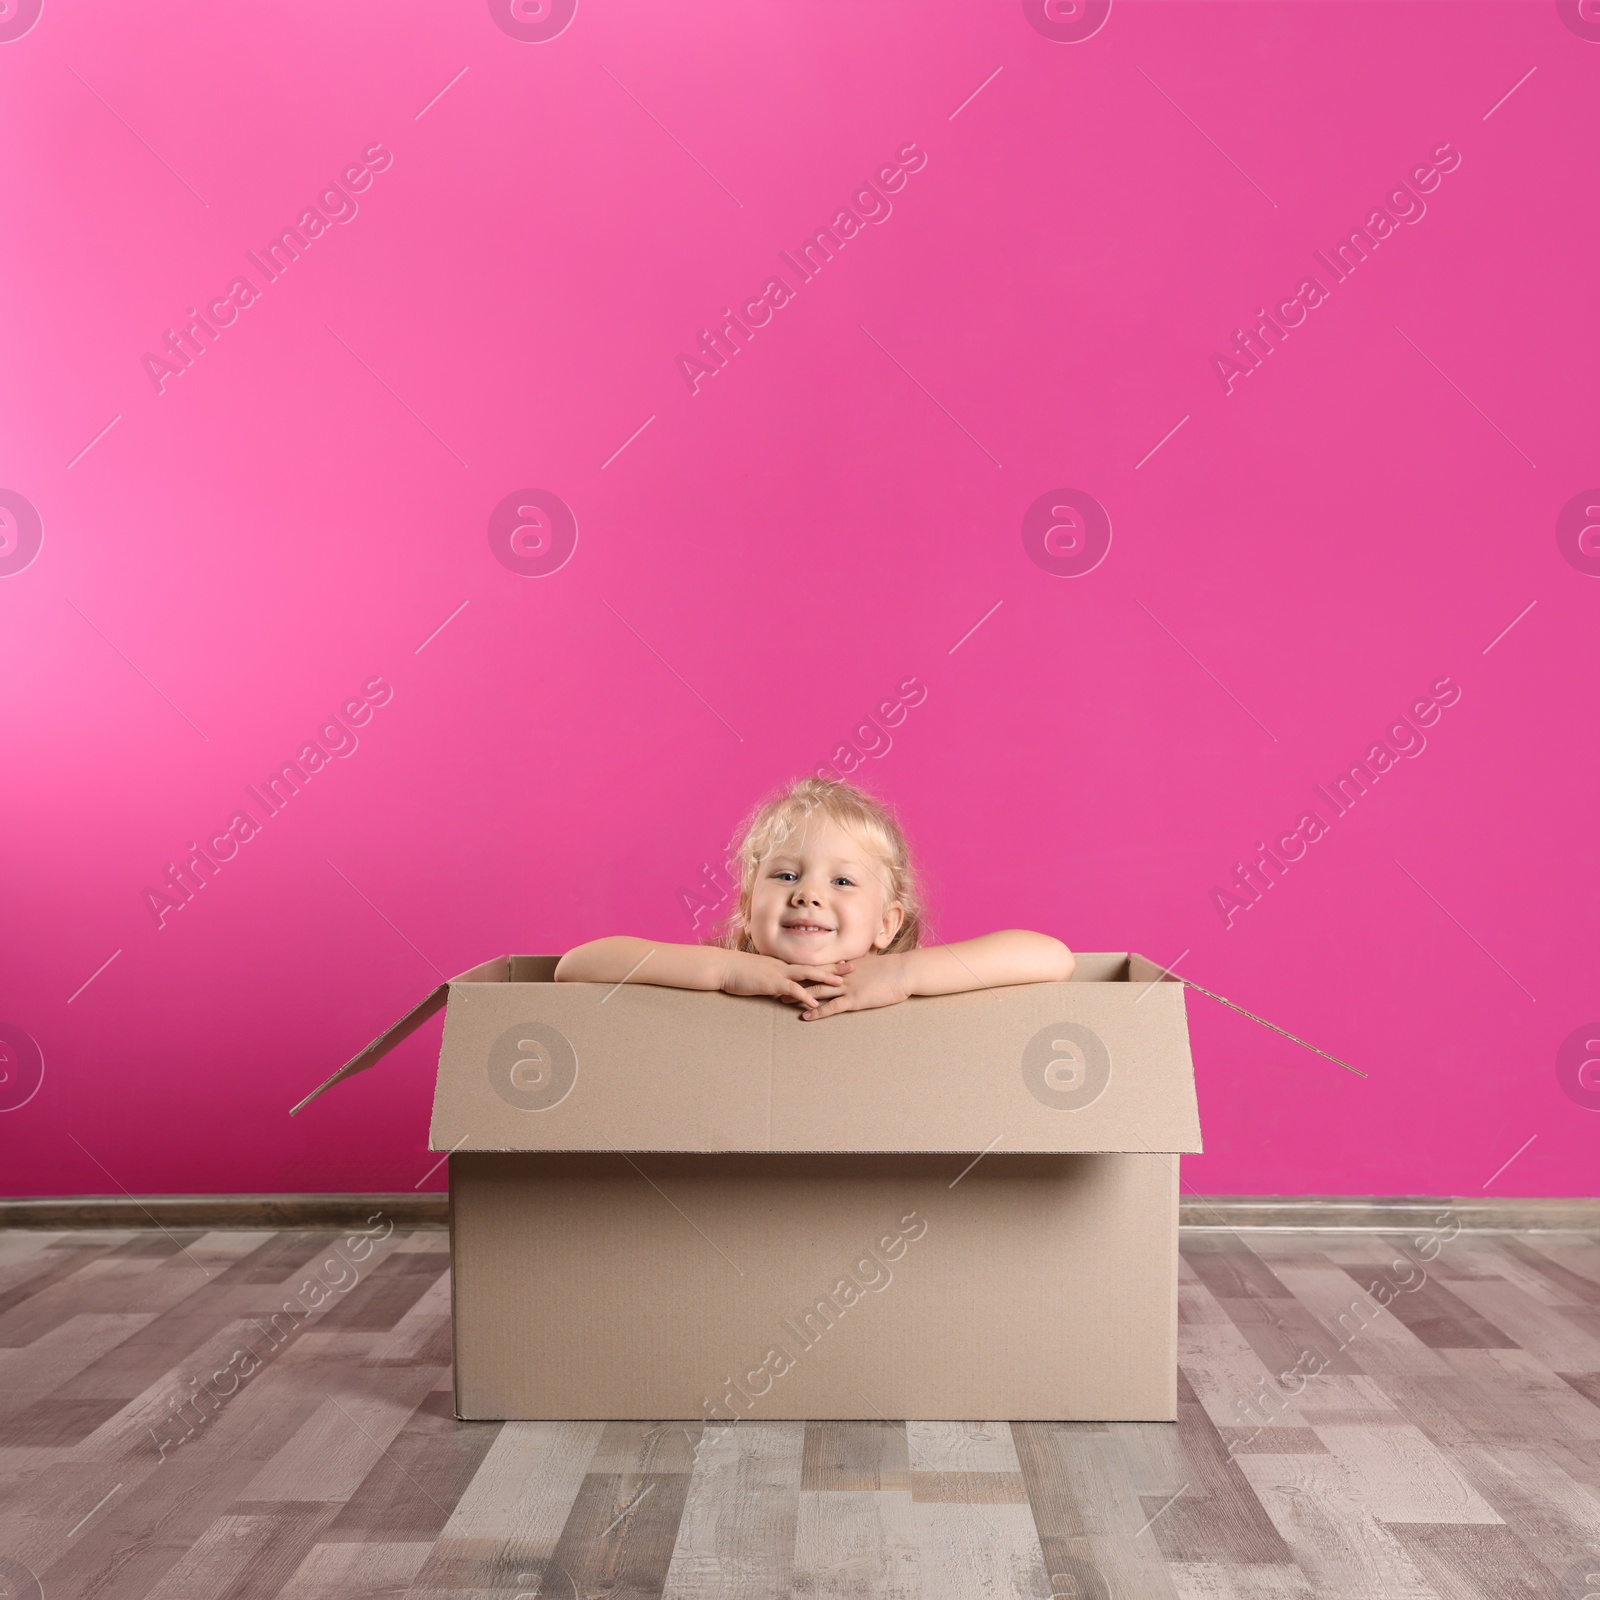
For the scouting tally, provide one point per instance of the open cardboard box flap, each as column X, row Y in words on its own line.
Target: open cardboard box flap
column 1098, row 1064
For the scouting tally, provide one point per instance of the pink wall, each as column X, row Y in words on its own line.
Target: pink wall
column 308, row 506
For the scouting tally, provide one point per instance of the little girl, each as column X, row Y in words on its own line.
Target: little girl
column 828, row 919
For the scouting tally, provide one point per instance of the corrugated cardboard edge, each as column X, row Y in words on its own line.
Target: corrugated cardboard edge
column 493, row 971
column 1141, row 969
column 455, row 1332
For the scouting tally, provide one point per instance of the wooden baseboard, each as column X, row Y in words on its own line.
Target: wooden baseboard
column 225, row 1211
column 1395, row 1213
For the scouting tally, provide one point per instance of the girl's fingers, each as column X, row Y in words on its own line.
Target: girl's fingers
column 816, row 1013
column 823, row 987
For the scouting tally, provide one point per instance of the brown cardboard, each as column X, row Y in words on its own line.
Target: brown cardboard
column 1040, row 1287
column 672, row 1204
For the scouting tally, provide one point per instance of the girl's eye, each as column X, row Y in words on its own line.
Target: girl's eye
column 849, row 883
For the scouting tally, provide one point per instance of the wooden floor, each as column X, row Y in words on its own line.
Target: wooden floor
column 1447, row 1445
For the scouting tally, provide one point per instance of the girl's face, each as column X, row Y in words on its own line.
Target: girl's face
column 821, row 897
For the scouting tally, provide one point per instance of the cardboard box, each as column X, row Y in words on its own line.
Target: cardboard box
column 673, row 1204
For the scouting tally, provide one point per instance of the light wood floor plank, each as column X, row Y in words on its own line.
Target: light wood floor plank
column 1537, row 1275
column 1057, row 1517
column 1227, row 1373
column 1578, row 1254
column 509, row 1520
column 1530, row 1402
column 1280, row 1330
column 357, row 1572
column 425, row 1241
column 23, row 1255
column 1212, row 1514
column 182, row 1396
column 1579, row 1459
column 1403, row 1477
column 1317, row 1506
column 970, row 1488
column 1423, row 1292
column 1090, row 1512
column 343, row 1440
column 638, row 1447
column 223, row 1246
column 1196, row 1303
column 1217, row 1580
column 415, row 1336
column 414, row 1488
column 965, row 1549
column 855, row 1542
column 30, row 1275
column 1378, row 1340
column 40, row 1511
column 1231, row 1270
column 856, row 1455
column 1340, row 1398
column 33, row 1371
column 619, row 1535
column 1153, row 1453
column 738, row 1532
column 1542, row 1330
column 251, row 1555
column 104, row 1284
column 961, row 1447
column 1552, row 1513
column 1473, row 1563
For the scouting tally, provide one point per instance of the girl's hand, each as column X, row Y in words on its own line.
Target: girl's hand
column 753, row 974
column 861, row 985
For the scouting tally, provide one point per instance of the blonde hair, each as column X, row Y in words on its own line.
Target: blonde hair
column 777, row 818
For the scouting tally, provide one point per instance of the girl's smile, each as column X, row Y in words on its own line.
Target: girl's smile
column 820, row 898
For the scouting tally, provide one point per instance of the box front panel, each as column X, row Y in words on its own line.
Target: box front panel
column 1039, row 1066
column 1034, row 1287
column 1102, row 1066
column 587, row 1066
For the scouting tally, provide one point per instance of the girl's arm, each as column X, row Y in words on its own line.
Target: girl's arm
column 1014, row 956
column 688, row 966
